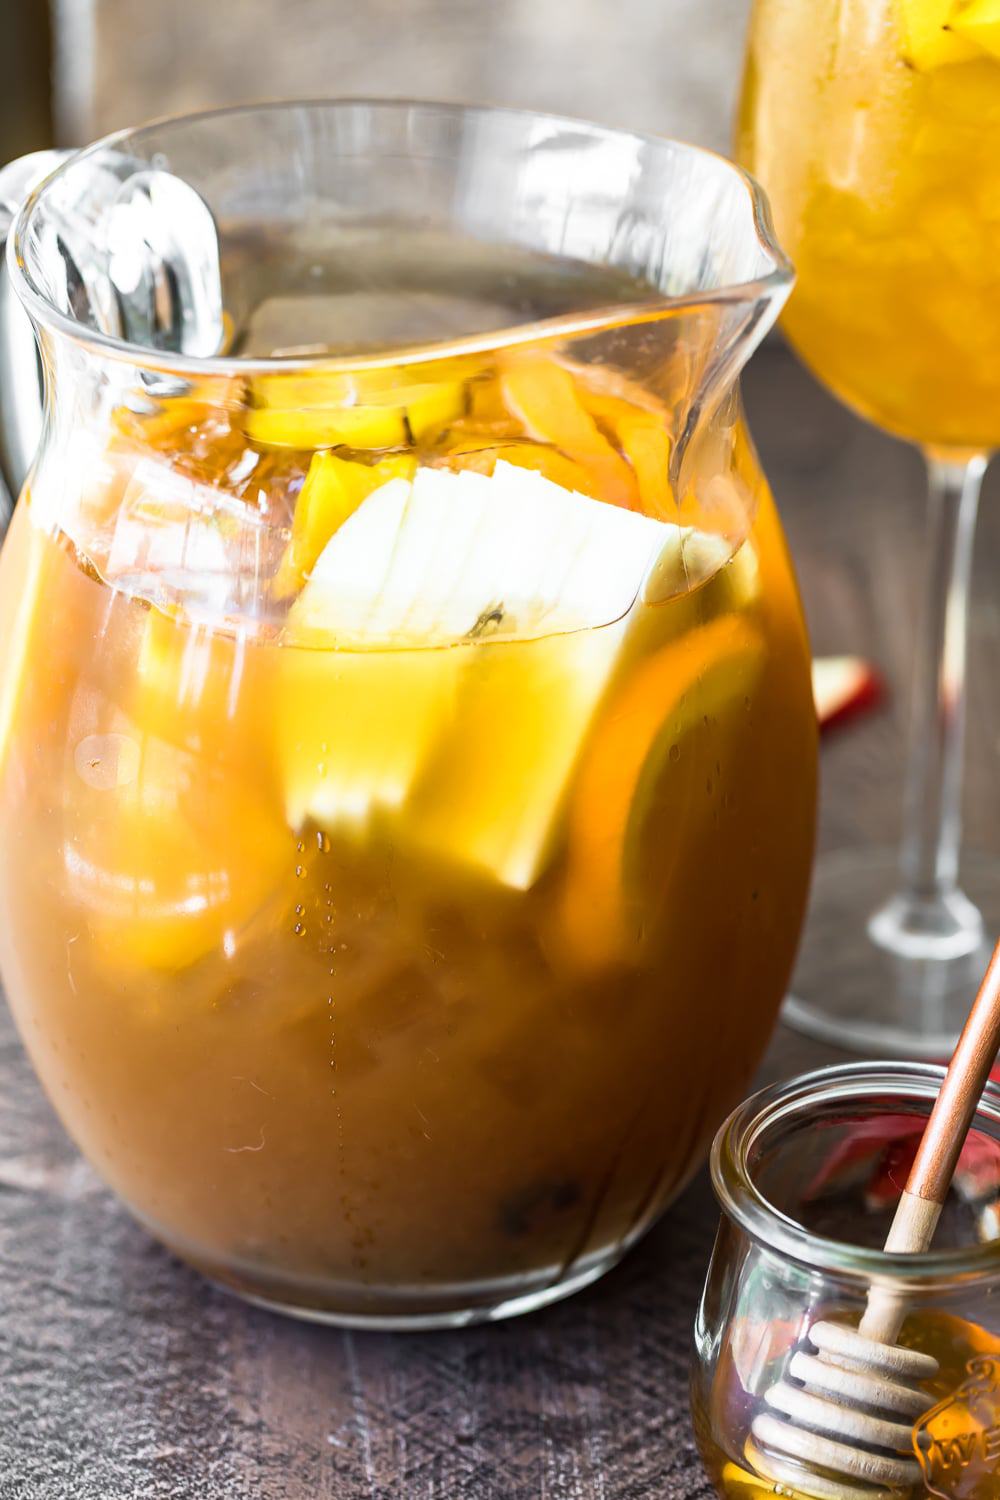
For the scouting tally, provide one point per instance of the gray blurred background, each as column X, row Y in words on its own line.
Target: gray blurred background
column 79, row 68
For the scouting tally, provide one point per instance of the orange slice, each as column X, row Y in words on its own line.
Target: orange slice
column 544, row 398
column 624, row 795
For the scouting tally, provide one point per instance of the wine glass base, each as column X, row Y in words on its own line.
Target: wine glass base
column 850, row 989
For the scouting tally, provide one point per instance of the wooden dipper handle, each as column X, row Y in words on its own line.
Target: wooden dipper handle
column 919, row 1208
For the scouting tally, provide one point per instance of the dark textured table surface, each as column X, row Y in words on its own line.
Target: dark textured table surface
column 125, row 1377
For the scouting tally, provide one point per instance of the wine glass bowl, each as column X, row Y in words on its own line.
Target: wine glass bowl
column 875, row 129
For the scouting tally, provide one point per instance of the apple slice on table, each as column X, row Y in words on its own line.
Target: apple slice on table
column 842, row 687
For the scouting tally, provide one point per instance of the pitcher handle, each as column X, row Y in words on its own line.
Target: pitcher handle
column 20, row 366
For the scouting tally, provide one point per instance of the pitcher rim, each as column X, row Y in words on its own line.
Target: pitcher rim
column 45, row 314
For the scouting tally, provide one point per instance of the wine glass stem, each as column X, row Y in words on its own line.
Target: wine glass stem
column 929, row 916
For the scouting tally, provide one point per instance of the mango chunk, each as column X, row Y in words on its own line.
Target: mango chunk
column 978, row 22
column 544, row 398
column 333, row 489
column 929, row 39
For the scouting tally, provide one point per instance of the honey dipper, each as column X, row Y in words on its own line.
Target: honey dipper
column 854, row 1399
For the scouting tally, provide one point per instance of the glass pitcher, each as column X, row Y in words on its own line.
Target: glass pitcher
column 407, row 752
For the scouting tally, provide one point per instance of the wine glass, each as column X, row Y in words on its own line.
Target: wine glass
column 874, row 126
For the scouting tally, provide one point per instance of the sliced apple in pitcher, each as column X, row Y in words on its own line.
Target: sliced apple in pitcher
column 553, row 576
column 640, row 780
column 471, row 742
column 353, row 720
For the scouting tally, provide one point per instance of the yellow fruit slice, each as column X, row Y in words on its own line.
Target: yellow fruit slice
column 366, row 427
column 353, row 727
column 494, row 782
column 188, row 684
column 544, row 398
column 431, row 407
column 373, row 410
column 978, row 22
column 623, row 793
column 928, row 37
column 25, row 615
column 538, row 457
column 644, row 439
column 170, row 858
column 333, row 489
column 176, row 840
column 486, row 407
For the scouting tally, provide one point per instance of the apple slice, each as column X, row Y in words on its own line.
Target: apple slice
column 843, row 686
column 471, row 745
column 457, row 555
